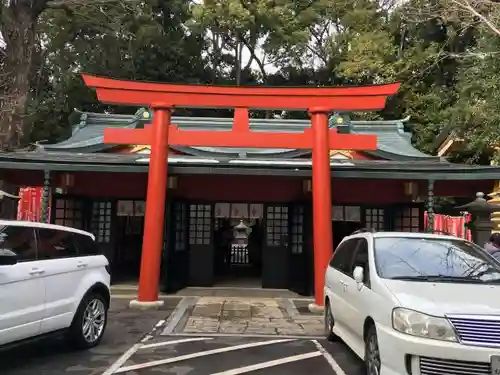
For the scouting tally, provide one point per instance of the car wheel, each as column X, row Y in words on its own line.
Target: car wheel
column 329, row 322
column 89, row 322
column 372, row 352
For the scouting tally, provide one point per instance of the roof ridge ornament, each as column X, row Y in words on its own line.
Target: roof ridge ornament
column 341, row 121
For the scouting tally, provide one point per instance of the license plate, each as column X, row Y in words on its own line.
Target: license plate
column 495, row 365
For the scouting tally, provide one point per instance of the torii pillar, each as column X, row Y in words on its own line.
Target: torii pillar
column 155, row 209
column 322, row 201
column 318, row 101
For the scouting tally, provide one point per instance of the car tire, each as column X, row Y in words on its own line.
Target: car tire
column 372, row 352
column 329, row 323
column 89, row 322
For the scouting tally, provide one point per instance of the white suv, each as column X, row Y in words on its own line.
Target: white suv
column 52, row 279
column 415, row 303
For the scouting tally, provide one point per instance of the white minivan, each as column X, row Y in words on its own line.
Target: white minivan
column 52, row 279
column 415, row 303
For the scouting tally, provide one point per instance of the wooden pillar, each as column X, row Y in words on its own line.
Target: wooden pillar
column 322, row 200
column 46, row 194
column 152, row 243
column 430, row 206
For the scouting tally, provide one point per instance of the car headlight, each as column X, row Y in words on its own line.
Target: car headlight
column 422, row 325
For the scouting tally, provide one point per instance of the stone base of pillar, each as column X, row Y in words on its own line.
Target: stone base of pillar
column 316, row 309
column 140, row 305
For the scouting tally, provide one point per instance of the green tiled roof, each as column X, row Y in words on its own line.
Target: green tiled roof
column 87, row 136
column 357, row 169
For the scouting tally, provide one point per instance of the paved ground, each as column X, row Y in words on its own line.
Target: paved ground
column 236, row 316
column 196, row 336
column 236, row 355
column 50, row 357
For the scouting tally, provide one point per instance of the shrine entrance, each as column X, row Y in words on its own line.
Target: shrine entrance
column 238, row 245
column 163, row 98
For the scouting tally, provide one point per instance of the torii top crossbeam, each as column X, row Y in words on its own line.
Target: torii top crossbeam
column 356, row 98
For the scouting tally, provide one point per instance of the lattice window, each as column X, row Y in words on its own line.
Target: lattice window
column 200, row 224
column 297, row 229
column 218, row 223
column 374, row 218
column 346, row 213
column 407, row 220
column 180, row 215
column 277, row 225
column 101, row 221
column 69, row 213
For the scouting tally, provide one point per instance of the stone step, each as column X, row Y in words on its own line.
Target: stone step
column 131, row 289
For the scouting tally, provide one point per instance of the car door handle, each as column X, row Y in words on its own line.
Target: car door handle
column 82, row 265
column 36, row 271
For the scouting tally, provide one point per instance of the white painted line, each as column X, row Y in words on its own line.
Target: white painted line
column 263, row 365
column 198, row 354
column 120, row 361
column 332, row 362
column 239, row 335
column 173, row 342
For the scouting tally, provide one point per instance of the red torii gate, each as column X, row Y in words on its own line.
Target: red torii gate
column 163, row 98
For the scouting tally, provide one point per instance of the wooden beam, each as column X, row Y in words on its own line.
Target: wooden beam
column 241, row 139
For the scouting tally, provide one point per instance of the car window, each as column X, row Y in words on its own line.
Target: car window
column 85, row 245
column 361, row 260
column 436, row 259
column 55, row 244
column 20, row 240
column 343, row 255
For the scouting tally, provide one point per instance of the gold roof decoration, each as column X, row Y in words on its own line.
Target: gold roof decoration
column 340, row 154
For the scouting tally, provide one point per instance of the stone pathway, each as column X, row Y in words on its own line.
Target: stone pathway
column 263, row 316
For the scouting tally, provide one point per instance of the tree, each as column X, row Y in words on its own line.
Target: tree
column 261, row 28
column 482, row 13
column 126, row 39
column 18, row 19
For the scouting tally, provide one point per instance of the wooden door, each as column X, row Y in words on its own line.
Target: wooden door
column 102, row 226
column 175, row 259
column 275, row 256
column 201, row 249
column 299, row 272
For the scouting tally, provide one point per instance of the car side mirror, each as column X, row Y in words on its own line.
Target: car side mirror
column 358, row 274
column 7, row 258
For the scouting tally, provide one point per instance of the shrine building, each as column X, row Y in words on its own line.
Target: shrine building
column 259, row 199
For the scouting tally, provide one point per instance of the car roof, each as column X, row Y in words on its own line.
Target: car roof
column 408, row 235
column 36, row 224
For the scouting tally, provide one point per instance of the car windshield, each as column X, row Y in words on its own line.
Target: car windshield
column 434, row 259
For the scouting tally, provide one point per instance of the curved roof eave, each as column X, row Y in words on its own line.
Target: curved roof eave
column 394, row 143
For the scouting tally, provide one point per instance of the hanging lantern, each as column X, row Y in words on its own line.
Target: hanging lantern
column 67, row 180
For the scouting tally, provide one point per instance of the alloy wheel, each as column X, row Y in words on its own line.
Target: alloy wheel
column 94, row 320
column 328, row 320
column 372, row 356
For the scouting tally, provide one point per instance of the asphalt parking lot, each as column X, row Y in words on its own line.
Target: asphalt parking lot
column 135, row 343
column 51, row 357
column 232, row 355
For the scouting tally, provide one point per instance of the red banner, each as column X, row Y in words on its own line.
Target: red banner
column 451, row 225
column 29, row 207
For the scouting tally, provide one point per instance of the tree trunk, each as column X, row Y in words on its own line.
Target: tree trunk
column 19, row 32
